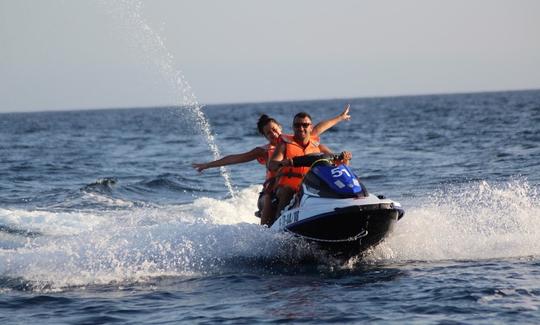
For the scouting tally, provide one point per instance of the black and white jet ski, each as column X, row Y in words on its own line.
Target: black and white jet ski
column 334, row 210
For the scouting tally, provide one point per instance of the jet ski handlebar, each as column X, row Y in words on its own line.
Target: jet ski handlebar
column 309, row 160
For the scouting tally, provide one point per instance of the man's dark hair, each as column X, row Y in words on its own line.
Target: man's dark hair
column 302, row 115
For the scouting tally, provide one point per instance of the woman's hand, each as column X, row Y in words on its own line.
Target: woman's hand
column 199, row 167
column 286, row 163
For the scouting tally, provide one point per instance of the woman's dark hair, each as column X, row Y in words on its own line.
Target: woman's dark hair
column 263, row 120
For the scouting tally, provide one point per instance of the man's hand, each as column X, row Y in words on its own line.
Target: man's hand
column 344, row 116
column 347, row 155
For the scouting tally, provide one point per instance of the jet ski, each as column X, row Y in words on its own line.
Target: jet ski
column 334, row 209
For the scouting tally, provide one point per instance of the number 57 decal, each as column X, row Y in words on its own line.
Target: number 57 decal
column 337, row 172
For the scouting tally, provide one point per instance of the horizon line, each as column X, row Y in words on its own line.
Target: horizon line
column 271, row 101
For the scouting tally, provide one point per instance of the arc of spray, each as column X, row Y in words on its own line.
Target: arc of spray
column 129, row 13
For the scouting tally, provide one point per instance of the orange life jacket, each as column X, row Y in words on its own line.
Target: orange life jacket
column 263, row 160
column 292, row 176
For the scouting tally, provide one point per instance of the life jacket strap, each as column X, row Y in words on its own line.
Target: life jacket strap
column 290, row 174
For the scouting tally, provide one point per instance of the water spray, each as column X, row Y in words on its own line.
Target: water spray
column 129, row 14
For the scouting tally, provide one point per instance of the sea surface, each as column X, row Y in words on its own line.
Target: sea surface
column 103, row 219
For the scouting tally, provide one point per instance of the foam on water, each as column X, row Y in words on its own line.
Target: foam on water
column 86, row 248
column 474, row 221
column 479, row 220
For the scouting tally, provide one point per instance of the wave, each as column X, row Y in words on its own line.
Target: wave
column 167, row 186
column 14, row 237
column 19, row 232
column 101, row 185
column 166, row 182
column 479, row 220
column 99, row 247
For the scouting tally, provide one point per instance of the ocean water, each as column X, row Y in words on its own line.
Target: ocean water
column 103, row 219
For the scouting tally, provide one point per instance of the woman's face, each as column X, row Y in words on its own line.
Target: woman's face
column 271, row 131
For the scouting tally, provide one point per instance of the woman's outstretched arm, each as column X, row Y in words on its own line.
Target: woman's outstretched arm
column 232, row 159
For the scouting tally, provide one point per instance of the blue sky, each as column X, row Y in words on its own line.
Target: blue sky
column 65, row 54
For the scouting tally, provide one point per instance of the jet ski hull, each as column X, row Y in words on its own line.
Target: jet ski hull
column 350, row 230
column 335, row 211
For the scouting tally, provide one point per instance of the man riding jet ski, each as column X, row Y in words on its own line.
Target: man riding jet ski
column 301, row 143
column 334, row 210
column 329, row 205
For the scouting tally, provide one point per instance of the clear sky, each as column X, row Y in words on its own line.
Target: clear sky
column 73, row 54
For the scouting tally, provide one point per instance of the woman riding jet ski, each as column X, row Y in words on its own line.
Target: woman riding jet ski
column 334, row 210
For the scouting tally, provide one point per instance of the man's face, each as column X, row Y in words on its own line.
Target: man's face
column 302, row 128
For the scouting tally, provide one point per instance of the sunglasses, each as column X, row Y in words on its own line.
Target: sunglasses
column 303, row 125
